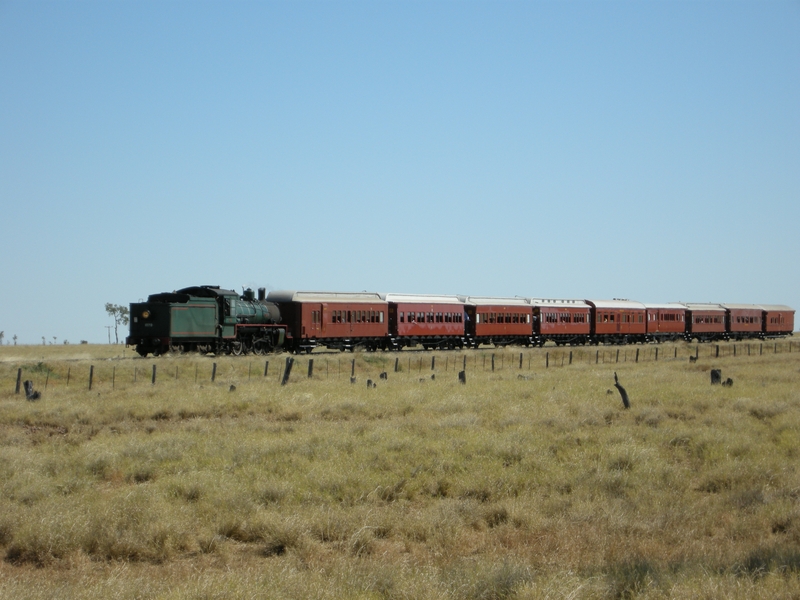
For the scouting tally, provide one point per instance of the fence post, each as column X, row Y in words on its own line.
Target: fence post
column 310, row 368
column 617, row 354
column 520, row 361
column 19, row 380
column 154, row 374
column 433, row 363
column 266, row 368
column 91, row 375
column 465, row 363
column 760, row 349
column 213, row 371
column 656, row 353
column 547, row 360
column 717, row 356
column 396, row 363
column 596, row 356
column 287, row 372
column 493, row 363
column 570, row 357
column 637, row 355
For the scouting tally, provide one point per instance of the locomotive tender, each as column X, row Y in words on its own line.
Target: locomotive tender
column 212, row 319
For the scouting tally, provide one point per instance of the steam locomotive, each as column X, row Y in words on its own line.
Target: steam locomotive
column 206, row 319
column 212, row 319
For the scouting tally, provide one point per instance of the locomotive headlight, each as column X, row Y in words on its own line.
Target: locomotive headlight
column 146, row 314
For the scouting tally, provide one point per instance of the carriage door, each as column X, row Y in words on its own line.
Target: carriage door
column 323, row 317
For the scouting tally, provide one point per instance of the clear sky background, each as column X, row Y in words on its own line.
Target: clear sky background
column 642, row 150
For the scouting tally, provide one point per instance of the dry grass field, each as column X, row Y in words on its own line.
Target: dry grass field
column 530, row 481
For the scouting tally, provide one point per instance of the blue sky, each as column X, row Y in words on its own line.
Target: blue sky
column 645, row 150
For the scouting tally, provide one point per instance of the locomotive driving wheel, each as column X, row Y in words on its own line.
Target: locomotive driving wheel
column 237, row 348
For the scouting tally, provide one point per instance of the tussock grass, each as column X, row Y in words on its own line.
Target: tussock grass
column 539, row 486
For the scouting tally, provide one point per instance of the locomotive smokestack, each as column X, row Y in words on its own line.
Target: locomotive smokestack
column 262, row 294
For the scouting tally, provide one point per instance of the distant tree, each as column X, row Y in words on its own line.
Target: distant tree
column 2, row 335
column 15, row 339
column 119, row 314
column 44, row 343
column 55, row 339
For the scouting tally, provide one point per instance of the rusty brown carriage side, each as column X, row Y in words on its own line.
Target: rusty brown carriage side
column 743, row 321
column 665, row 322
column 335, row 320
column 618, row 321
column 428, row 320
column 705, row 322
column 561, row 321
column 777, row 320
column 498, row 321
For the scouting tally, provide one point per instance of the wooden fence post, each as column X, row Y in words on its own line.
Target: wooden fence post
column 287, row 372
column 91, row 375
column 154, row 374
column 310, row 368
column 19, row 380
column 213, row 371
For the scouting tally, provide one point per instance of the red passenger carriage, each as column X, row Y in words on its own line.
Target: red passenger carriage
column 743, row 320
column 777, row 320
column 335, row 320
column 618, row 321
column 665, row 322
column 560, row 321
column 498, row 321
column 705, row 322
column 432, row 321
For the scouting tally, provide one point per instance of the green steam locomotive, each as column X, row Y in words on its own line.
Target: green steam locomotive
column 206, row 319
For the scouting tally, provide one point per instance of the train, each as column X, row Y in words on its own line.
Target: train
column 210, row 319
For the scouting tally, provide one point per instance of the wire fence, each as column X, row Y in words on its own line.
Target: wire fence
column 363, row 366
